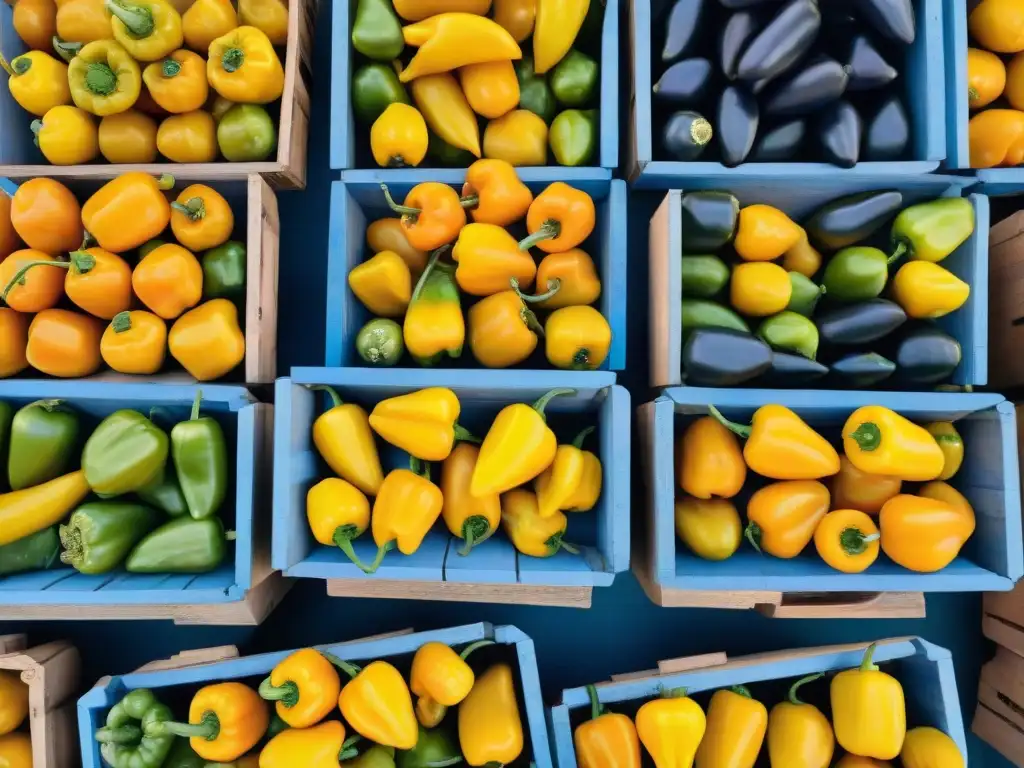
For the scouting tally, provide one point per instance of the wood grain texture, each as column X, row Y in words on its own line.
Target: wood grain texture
column 1006, row 301
column 517, row 594
column 263, row 242
column 659, row 314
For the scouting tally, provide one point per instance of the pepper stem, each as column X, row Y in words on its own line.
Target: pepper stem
column 405, row 210
column 556, row 543
column 348, row 750
column 753, row 535
column 581, row 359
column 170, row 68
column 336, row 400
column 578, row 441
column 343, row 536
column 419, row 467
column 19, row 276
column 123, row 734
column 475, row 530
column 21, row 64
column 867, row 436
column 595, row 704
column 549, row 230
column 233, row 59
column 901, row 248
column 195, row 405
column 853, row 541
column 165, row 181
column 470, row 201
column 347, row 667
column 137, row 19
column 36, row 126
column 553, row 287
column 673, row 693
column 287, row 694
column 541, row 404
column 122, row 322
column 741, row 690
column 208, row 728
column 529, row 318
column 431, row 263
column 64, row 49
column 100, row 79
column 463, row 435
column 474, row 646
column 972, row 94
column 793, row 699
column 194, row 209
column 6, row 67
column 71, row 543
column 867, row 665
column 742, row 430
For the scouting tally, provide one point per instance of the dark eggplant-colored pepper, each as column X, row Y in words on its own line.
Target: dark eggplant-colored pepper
column 926, row 355
column 850, row 220
column 861, row 370
column 860, row 323
column 708, row 220
column 736, row 33
column 682, row 29
column 894, row 19
column 734, row 4
column 716, row 357
column 866, row 67
column 888, row 132
column 792, row 371
column 687, row 135
column 684, row 83
column 839, row 133
column 781, row 144
column 782, row 42
column 821, row 81
column 738, row 118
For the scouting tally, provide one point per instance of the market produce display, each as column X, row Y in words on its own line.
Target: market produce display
column 71, row 297
column 520, row 477
column 799, row 81
column 141, row 81
column 15, row 740
column 844, row 301
column 887, row 491
column 864, row 720
column 455, row 84
column 490, row 268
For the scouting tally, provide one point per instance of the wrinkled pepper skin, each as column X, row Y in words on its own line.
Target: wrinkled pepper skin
column 470, row 518
column 926, row 747
column 799, row 735
column 710, row 528
column 736, row 726
column 200, row 454
column 43, row 437
column 452, row 40
column 98, row 536
column 378, row 705
column 488, row 258
column 404, row 511
column 710, row 461
column 783, row 516
column 924, row 534
column 490, row 729
column 530, row 533
column 423, row 423
column 440, row 678
column 128, row 211
column 868, row 710
column 13, row 701
column 25, row 512
column 183, row 545
column 125, row 741
column 344, row 439
column 671, row 728
column 881, row 442
column 304, row 688
column 867, row 492
column 125, row 453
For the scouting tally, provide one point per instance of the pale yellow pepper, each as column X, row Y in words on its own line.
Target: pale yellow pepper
column 188, row 138
column 268, row 16
column 207, row 20
column 519, row 138
column 448, row 114
column 383, row 283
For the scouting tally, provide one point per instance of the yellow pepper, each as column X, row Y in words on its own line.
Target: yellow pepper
column 880, row 441
column 709, row 461
column 942, row 491
column 305, row 688
column 488, row 257
column 13, row 701
column 799, row 735
column 559, row 483
column 16, row 750
column 389, row 235
column 847, row 540
column 268, row 16
column 67, row 136
column 13, row 342
column 448, row 114
column 760, row 288
column 178, row 83
column 417, row 10
column 206, row 20
column 225, row 720
column 856, row 761
column 378, row 705
column 996, row 138
column 854, row 489
column 490, row 730
column 83, row 21
column 517, row 16
column 104, row 78
column 188, row 138
column 148, row 29
column 244, row 68
column 470, row 518
column 802, row 257
column 869, row 713
column 557, row 24
column 951, row 444
column 671, row 728
column 423, row 423
column 711, row 528
column 338, row 513
column 383, row 284
column 781, row 446
column 128, row 137
column 448, row 41
column 128, row 211
column 783, row 516
column 517, row 448
column 169, row 280
column 434, row 325
column 64, row 344
column 925, row 534
column 926, row 290
column 998, row 25
column 577, row 338
column 519, row 138
column 530, row 533
column 607, row 739
column 502, row 330
column 405, row 510
column 207, row 340
column 735, row 730
column 322, row 746
column 573, row 278
column 25, row 512
column 986, row 78
column 930, row 748
column 582, row 496
column 201, row 218
column 37, row 81
column 440, row 678
column 343, row 437
column 135, row 342
column 491, row 88
column 764, row 233
column 399, row 138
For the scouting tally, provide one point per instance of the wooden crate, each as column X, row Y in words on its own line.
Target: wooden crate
column 20, row 160
column 52, row 674
column 1006, row 302
column 999, row 717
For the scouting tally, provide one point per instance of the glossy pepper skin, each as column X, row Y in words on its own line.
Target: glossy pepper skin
column 184, row 545
column 383, row 284
column 560, row 218
column 518, row 17
column 99, row 282
column 607, row 739
column 269, row 16
column 577, row 338
column 27, row 287
column 206, row 20
column 64, row 344
column 200, row 454
column 377, row 704
column 16, row 750
column 780, row 445
column 530, row 533
column 404, row 511
column 344, row 439
column 710, row 528
column 304, row 688
column 83, row 21
column 997, row 138
column 925, row 534
column 502, row 329
column 166, row 495
column 868, row 710
column 783, row 516
column 423, row 423
column 188, row 138
column 389, row 235
column 572, row 277
column 128, row 137
column 14, row 335
column 125, row 453
column 434, row 325
column 37, row 81
column 736, row 726
column 98, row 536
column 319, row 746
column 926, row 747
column 933, row 230
column 490, row 729
column 986, row 77
column 148, row 29
column 104, row 78
column 557, row 24
column 951, row 444
column 765, row 233
column 488, row 257
column 448, row 114
column 128, row 211
column 35, row 22
column 760, row 289
column 46, row 215
column 398, row 137
column 417, row 10
column 671, row 728
column 520, row 138
column 225, row 720
column 799, row 735
column 452, row 40
column 926, row 290
column 201, row 218
column 470, row 518
column 243, row 67
column 38, row 551
column 41, row 440
column 491, row 87
column 338, row 513
column 13, row 701
column 847, row 539
column 207, row 340
column 224, row 271
column 432, row 214
column 125, row 740
column 169, row 281
column 998, row 25
column 440, row 678
column 376, row 32
column 880, row 441
column 66, row 136
column 854, row 489
column 557, row 484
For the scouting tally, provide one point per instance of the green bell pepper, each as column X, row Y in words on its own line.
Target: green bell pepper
column 246, row 134
column 36, row 552
column 375, row 757
column 573, row 136
column 574, row 79
column 534, row 92
column 447, row 155
column 380, row 342
column 224, row 272
column 125, row 453
column 703, row 276
column 701, row 313
column 165, row 495
column 434, row 749
column 183, row 756
column 375, row 87
column 805, row 294
column 856, row 274
column 43, row 437
column 183, row 545
column 99, row 535
column 376, row 31
column 148, row 247
column 274, row 727
column 790, row 332
column 931, row 231
column 200, row 455
column 124, row 743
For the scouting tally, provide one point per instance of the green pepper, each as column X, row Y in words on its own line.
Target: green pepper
column 534, row 92
column 790, row 332
column 183, row 545
column 574, row 79
column 447, row 155
column 856, row 274
column 165, row 495
column 375, row 87
column 700, row 313
column 931, row 231
column 6, row 416
column 200, row 455
column 246, row 134
column 148, row 247
column 703, row 276
column 376, row 31
column 224, row 272
column 434, row 749
column 274, row 727
column 183, row 756
column 125, row 453
column 379, row 342
column 43, row 438
column 573, row 136
column 375, row 757
column 36, row 552
column 123, row 740
column 100, row 534
column 805, row 294
column 708, row 220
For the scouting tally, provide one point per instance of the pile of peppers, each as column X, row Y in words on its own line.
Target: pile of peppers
column 68, row 298
column 134, row 496
column 488, row 266
column 514, row 97
column 318, row 700
column 864, row 509
column 15, row 740
column 137, row 80
column 995, row 70
column 813, row 293
column 866, row 716
column 519, row 477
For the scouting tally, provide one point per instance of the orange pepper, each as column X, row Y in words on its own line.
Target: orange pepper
column 854, row 489
column 783, row 516
column 573, row 277
column 135, row 342
column 35, row 21
column 560, row 218
column 925, row 534
column 25, row 283
column 64, row 344
column 986, row 78
column 169, row 280
column 501, row 198
column 847, row 539
column 128, row 211
column 9, row 240
column 432, row 214
column 13, row 340
column 98, row 281
column 201, row 218
column 46, row 215
column 709, row 461
column 996, row 138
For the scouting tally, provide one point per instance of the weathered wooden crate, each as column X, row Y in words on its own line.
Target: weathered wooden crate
column 1006, row 300
column 999, row 717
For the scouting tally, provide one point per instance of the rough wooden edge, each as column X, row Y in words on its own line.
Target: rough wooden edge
column 632, row 165
column 193, row 658
column 674, row 666
column 446, row 591
column 263, row 242
column 660, row 336
column 1000, row 734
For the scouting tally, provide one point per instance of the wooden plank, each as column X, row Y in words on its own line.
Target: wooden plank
column 194, row 658
column 263, row 240
column 515, row 594
column 837, row 605
column 689, row 663
column 664, row 366
column 1000, row 734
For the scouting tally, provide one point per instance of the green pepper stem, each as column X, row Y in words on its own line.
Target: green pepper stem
column 230, row 535
column 348, row 750
column 6, row 67
column 901, row 248
column 83, row 261
column 123, row 734
column 529, row 318
column 71, row 543
column 556, row 543
column 405, row 210
column 541, row 404
column 35, row 126
column 419, row 467
column 208, row 728
column 742, row 430
column 287, row 694
column 431, row 263
column 853, row 540
column 475, row 531
column 474, row 646
column 867, row 436
column 463, row 435
column 21, row 64
column 554, row 285
column 232, row 60
column 137, row 19
column 741, row 690
column 194, row 209
column 19, row 276
column 100, row 79
column 578, row 442
column 867, row 665
column 470, row 201
column 170, row 68
column 165, row 181
column 793, row 699
column 443, row 763
column 123, row 322
column 549, row 230
column 595, row 704
column 347, row 667
column 195, row 405
column 336, row 400
column 343, row 536
column 753, row 535
column 673, row 693
column 947, row 438
column 972, row 94
column 381, row 551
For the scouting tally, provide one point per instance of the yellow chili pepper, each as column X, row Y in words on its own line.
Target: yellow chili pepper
column 951, row 444
column 781, row 446
column 399, row 138
column 67, row 136
column 490, row 730
column 470, row 518
column 128, row 211
column 847, row 539
column 802, row 257
column 322, row 746
column 557, row 25
column 225, row 720
column 343, row 437
column 434, row 325
column 573, row 278
column 709, row 461
column 557, row 484
column 304, row 688
column 25, row 512
column 207, row 340
column 502, row 330
column 169, row 280
column 577, row 338
column 607, row 739
column 268, row 16
column 178, row 83
column 148, row 29
column 448, row 114
column 378, row 705
column 926, row 747
column 530, row 533
column 488, row 257
column 735, row 730
column 440, row 678
column 711, row 528
column 671, row 728
column 417, row 10
column 519, row 138
column 64, row 344
column 206, row 20
column 405, row 510
column 517, row 16
column 338, row 513
column 880, row 441
column 13, row 342
column 517, row 448
column 854, row 489
column 448, row 41
column 925, row 534
column 201, row 218
column 868, row 710
column 783, row 516
column 764, row 233
column 383, row 284
column 926, row 290
column 389, row 235
column 135, row 342
column 188, row 138
column 423, row 423
column 759, row 289
column 13, row 701
column 128, row 137
column 491, row 88
column 243, row 67
column 83, row 21
column 37, row 81
column 16, row 750
column 799, row 735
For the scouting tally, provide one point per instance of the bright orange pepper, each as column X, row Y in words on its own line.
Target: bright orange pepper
column 26, row 285
column 502, row 199
column 64, row 344
column 13, row 340
column 46, row 215
column 169, row 280
column 560, row 218
column 432, row 214
column 854, row 489
column 8, row 237
column 996, row 138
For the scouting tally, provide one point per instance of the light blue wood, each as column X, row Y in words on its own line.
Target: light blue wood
column 958, row 151
column 924, row 94
column 354, row 205
column 17, row 147
column 94, row 705
column 493, row 562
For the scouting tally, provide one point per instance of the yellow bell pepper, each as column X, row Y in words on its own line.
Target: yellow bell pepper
column 37, row 81
column 799, row 735
column 169, row 280
column 377, row 704
column 557, row 24
column 927, row 290
column 423, row 423
column 880, row 441
column 128, row 137
column 577, row 338
column 998, row 25
column 338, row 513
column 671, row 728
column 135, row 342
column 188, row 138
column 470, row 518
column 178, row 83
column 942, row 491
column 207, row 340
column 926, row 533
column 321, row 746
column 67, row 136
column 104, row 78
column 128, row 211
column 225, row 720
column 996, row 138
column 268, row 16
column 573, row 278
column 517, row 16
column 440, row 678
column 448, row 114
column 710, row 528
column 448, row 41
column 16, row 750
column 206, row 20
column 502, row 330
column 869, row 713
column 517, row 448
column 83, row 21
column 559, row 483
column 201, row 218
column 304, row 688
column 490, row 730
column 783, row 516
column 926, row 747
column 709, row 461
column 417, row 10
column 27, row 511
column 764, row 233
column 759, row 288
column 519, row 138
column 244, row 68
column 488, row 258
column 383, row 284
column 148, row 29
column 853, row 489
column 735, row 730
column 344, row 440
column 530, row 533
column 399, row 138
column 13, row 701
column 847, row 540
column 389, row 235
column 802, row 257
column 951, row 444
column 491, row 88
column 405, row 510
column 607, row 739
column 434, row 325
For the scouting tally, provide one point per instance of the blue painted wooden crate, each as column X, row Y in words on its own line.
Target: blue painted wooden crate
column 61, row 593
column 603, row 533
column 176, row 685
column 969, row 324
column 925, row 671
column 922, row 74
column 992, row 560
column 350, row 141
column 356, row 205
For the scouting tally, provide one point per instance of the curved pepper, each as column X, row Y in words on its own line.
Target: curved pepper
column 573, row 278
column 856, row 761
column 165, row 495
column 338, row 513
column 343, row 438
column 440, row 678
column 26, row 286
column 926, row 290
column 588, row 491
column 560, row 482
column 83, row 21
column 169, row 281
column 304, row 688
column 557, row 25
column 434, row 325
column 926, row 747
column 735, row 730
column 502, row 330
column 942, row 491
column 206, row 20
column 9, row 241
column 880, row 441
column 854, row 489
column 423, row 423
column 951, row 444
column 518, row 17
column 43, row 438
column 178, row 83
column 765, row 233
column 671, row 728
column 128, row 211
column 470, row 518
column 711, row 528
column 799, row 735
column 183, row 545
column 986, row 78
column 389, row 235
column 125, row 741
column 35, row 22
column 488, row 257
column 783, row 516
column 269, row 16
column 13, row 701
column 148, row 29
column 27, row 511
column 491, row 88
column 448, row 41
column 417, row 10
column 432, row 214
column 996, row 138
column 67, row 136
column 320, row 746
column 64, row 344
column 104, row 78
column 530, row 533
column 46, row 215
column 518, row 138
column 13, row 342
column 577, row 338
column 490, row 729
column 98, row 536
column 802, row 257
column 243, row 67
column 560, row 218
column 207, row 340
column 925, row 534
column 128, row 137
column 201, row 218
column 200, row 455
column 377, row 704
column 998, row 25
column 404, row 511
column 399, row 137
column 37, row 81
column 125, row 453
column 847, row 539
column 780, row 445
column 448, row 114
column 607, row 739
column 383, row 284
column 868, row 710
column 501, row 198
